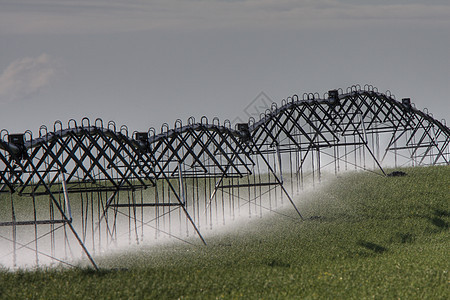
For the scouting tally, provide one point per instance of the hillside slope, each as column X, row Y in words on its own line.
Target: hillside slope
column 365, row 236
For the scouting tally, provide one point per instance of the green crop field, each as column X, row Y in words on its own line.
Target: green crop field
column 364, row 237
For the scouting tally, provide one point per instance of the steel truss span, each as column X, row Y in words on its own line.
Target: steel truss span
column 81, row 189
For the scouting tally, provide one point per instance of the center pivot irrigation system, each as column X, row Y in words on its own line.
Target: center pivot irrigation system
column 87, row 187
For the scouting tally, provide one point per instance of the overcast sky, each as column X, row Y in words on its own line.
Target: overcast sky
column 142, row 63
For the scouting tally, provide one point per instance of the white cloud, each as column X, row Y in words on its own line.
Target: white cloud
column 26, row 77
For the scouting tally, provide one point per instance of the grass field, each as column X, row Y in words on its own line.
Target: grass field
column 364, row 237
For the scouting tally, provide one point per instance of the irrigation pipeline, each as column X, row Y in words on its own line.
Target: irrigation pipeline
column 87, row 187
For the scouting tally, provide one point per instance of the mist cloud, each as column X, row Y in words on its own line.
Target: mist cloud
column 26, row 77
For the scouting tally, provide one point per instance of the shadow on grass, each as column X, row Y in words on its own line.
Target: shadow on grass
column 437, row 219
column 101, row 272
column 277, row 263
column 404, row 238
column 373, row 247
column 441, row 213
column 438, row 222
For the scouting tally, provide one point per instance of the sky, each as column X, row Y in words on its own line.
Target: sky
column 143, row 63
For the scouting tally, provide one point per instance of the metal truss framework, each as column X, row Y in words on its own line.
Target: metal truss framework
column 93, row 185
